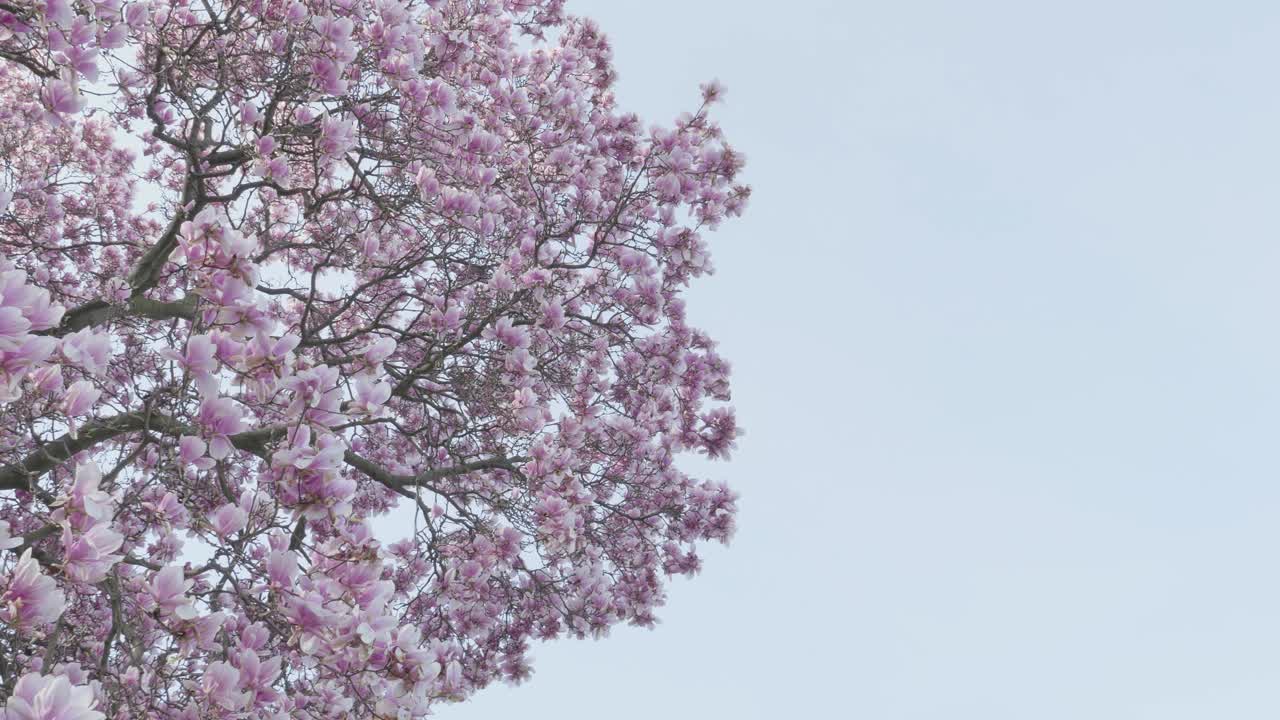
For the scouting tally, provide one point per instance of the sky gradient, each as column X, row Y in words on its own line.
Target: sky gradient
column 1002, row 316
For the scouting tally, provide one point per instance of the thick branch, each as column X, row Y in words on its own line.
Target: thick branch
column 427, row 478
column 98, row 312
column 147, row 271
column 52, row 454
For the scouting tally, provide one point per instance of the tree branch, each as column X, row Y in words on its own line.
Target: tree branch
column 427, row 478
column 98, row 312
column 51, row 454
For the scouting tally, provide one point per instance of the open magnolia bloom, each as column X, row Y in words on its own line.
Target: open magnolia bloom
column 342, row 352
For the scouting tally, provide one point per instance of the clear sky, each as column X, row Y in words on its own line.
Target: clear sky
column 1003, row 317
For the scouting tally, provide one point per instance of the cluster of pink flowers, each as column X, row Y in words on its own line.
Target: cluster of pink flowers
column 24, row 309
column 52, row 697
column 396, row 259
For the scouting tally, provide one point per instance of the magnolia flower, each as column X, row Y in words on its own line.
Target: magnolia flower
column 312, row 621
column 191, row 451
column 528, row 409
column 59, row 12
column 114, row 37
column 12, row 322
column 136, row 14
column 87, row 349
column 201, row 633
column 168, row 509
column 33, row 301
column 282, row 568
column 337, row 136
column 168, row 592
column 84, row 60
column 508, row 334
column 256, row 677
column 428, row 185
column 220, row 684
column 61, row 98
column 553, row 316
column 370, row 396
column 296, row 13
column 316, row 394
column 249, row 113
column 274, row 169
column 271, row 356
column 221, row 418
column 6, row 541
column 379, row 350
column 78, row 401
column 51, row 697
column 448, row 319
column 88, row 505
column 228, row 520
column 48, row 379
column 334, row 30
column 80, row 398
column 89, row 556
column 18, row 356
column 32, row 598
column 200, row 357
column 712, row 92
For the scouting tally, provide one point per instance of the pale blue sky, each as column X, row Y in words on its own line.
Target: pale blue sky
column 1004, row 322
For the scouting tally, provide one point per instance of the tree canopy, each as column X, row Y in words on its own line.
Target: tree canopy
column 342, row 352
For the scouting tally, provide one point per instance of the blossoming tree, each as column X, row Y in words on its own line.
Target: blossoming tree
column 342, row 352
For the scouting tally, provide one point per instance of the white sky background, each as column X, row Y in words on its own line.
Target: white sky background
column 1003, row 318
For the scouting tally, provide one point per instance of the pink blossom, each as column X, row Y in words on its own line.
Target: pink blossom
column 87, row 349
column 337, row 136
column 712, row 91
column 168, row 593
column 221, row 686
column 89, row 556
column 114, row 37
column 369, row 396
column 200, row 355
column 379, row 350
column 327, row 76
column 12, row 323
column 274, row 169
column 428, row 185
column 249, row 113
column 59, row 12
column 85, row 61
column 80, row 398
column 282, row 568
column 221, row 418
column 507, row 333
column 136, row 14
column 201, row 633
column 85, row 505
column 7, row 542
column 33, row 302
column 61, row 98
column 51, row 697
column 227, row 520
column 48, row 380
column 31, row 599
column 257, row 677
